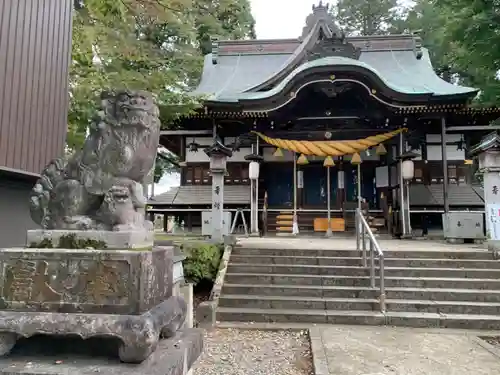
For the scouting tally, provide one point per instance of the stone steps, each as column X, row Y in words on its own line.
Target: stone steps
column 411, row 282
column 358, row 304
column 429, row 254
column 356, row 261
column 392, row 318
column 456, row 289
column 431, row 294
column 293, row 269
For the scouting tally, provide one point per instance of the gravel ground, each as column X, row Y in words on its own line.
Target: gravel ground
column 253, row 352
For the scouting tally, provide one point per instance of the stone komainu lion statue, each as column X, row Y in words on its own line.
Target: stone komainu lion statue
column 100, row 187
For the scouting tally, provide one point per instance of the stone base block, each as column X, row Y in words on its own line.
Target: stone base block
column 128, row 282
column 139, row 334
column 174, row 356
column 494, row 247
column 455, row 241
column 206, row 315
column 111, row 240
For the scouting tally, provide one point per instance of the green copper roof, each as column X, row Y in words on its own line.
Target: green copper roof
column 399, row 70
column 237, row 70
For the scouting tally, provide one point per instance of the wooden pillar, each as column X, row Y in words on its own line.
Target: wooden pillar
column 426, row 173
column 340, row 196
column 300, row 186
column 445, row 165
column 190, row 221
column 469, row 174
column 165, row 223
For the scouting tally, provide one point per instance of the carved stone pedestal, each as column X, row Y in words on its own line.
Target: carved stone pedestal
column 174, row 356
column 124, row 294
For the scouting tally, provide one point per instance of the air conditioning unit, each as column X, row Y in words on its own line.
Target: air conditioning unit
column 206, row 223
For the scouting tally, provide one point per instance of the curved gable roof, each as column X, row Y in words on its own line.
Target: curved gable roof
column 240, row 70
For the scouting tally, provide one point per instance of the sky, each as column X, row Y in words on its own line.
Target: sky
column 277, row 19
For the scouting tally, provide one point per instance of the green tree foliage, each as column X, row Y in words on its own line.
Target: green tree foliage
column 361, row 17
column 462, row 36
column 472, row 28
column 225, row 19
column 154, row 45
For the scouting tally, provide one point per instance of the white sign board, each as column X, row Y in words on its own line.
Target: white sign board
column 341, row 180
column 382, row 176
column 300, row 179
column 493, row 221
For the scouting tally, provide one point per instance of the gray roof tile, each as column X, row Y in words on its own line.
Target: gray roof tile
column 420, row 195
column 202, row 195
column 165, row 198
column 458, row 195
column 479, row 191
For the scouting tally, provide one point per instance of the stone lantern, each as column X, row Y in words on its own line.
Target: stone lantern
column 218, row 154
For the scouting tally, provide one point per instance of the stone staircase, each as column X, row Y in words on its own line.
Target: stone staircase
column 459, row 289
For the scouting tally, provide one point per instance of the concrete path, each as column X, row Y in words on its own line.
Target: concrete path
column 346, row 243
column 359, row 350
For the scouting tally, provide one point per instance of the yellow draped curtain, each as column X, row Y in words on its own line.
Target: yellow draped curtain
column 329, row 148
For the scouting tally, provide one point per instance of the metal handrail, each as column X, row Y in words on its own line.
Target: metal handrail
column 363, row 230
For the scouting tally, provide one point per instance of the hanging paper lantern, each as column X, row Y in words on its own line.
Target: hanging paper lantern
column 328, row 162
column 253, row 170
column 278, row 153
column 356, row 159
column 302, row 160
column 408, row 169
column 381, row 149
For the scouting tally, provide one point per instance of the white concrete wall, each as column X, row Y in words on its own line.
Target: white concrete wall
column 434, row 151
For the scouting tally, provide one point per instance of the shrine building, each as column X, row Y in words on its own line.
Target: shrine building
column 328, row 112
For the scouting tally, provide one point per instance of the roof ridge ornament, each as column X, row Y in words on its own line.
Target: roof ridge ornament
column 336, row 45
column 215, row 49
column 417, row 44
column 331, row 40
column 321, row 13
column 321, row 6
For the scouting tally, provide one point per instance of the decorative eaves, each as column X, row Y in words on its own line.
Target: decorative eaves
column 489, row 142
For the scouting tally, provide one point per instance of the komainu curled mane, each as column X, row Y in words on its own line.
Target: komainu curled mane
column 100, row 187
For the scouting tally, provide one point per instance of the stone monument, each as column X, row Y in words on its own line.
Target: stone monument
column 218, row 154
column 92, row 270
column 488, row 153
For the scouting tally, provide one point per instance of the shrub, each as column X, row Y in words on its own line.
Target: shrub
column 202, row 261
